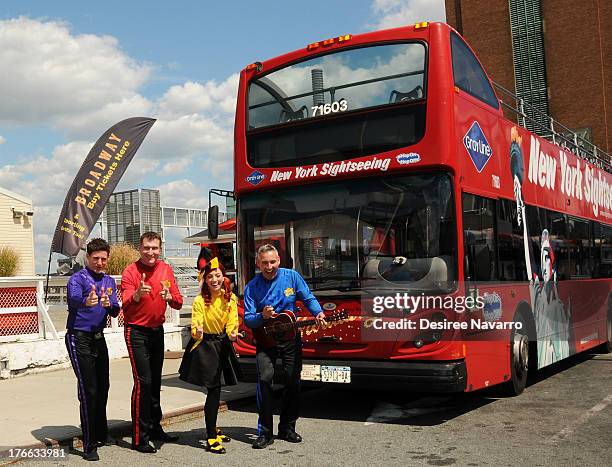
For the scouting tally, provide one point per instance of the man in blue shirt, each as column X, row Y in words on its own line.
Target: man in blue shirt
column 92, row 296
column 272, row 291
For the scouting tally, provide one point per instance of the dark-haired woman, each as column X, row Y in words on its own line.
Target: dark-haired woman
column 209, row 356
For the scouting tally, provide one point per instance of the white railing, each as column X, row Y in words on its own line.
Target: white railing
column 24, row 314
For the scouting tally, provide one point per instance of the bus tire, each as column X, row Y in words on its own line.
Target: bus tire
column 519, row 359
column 607, row 346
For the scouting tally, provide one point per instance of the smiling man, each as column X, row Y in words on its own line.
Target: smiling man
column 92, row 296
column 148, row 287
column 273, row 291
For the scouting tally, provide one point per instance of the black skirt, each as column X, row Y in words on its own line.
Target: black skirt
column 212, row 363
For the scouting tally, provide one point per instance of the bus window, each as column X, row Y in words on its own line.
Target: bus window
column 469, row 75
column 579, row 241
column 396, row 233
column 559, row 243
column 478, row 222
column 510, row 245
column 603, row 247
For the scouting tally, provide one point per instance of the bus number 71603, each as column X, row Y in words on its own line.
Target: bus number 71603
column 326, row 109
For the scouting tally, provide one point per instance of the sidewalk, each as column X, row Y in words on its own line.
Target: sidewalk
column 43, row 408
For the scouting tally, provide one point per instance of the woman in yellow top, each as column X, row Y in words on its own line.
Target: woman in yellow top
column 209, row 355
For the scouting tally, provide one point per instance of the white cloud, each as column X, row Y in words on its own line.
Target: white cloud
column 50, row 75
column 176, row 167
column 99, row 119
column 80, row 85
column 45, row 179
column 193, row 97
column 183, row 193
column 395, row 13
column 2, row 139
column 188, row 136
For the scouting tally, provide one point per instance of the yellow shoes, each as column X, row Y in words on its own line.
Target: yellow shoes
column 221, row 437
column 214, row 445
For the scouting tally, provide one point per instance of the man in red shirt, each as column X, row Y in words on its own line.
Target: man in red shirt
column 148, row 286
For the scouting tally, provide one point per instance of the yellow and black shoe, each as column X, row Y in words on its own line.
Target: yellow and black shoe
column 222, row 437
column 214, row 445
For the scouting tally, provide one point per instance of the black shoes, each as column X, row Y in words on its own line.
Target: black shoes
column 107, row 442
column 290, row 436
column 262, row 441
column 91, row 456
column 145, row 448
column 161, row 435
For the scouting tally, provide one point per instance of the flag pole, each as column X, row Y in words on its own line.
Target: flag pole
column 48, row 271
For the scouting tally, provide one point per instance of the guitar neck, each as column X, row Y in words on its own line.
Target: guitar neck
column 310, row 322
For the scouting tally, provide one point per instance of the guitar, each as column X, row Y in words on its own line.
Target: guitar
column 283, row 327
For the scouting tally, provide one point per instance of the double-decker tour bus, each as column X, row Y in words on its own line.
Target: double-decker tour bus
column 465, row 250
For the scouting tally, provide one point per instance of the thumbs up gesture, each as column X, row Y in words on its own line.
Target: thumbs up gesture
column 165, row 292
column 92, row 298
column 104, row 299
column 143, row 289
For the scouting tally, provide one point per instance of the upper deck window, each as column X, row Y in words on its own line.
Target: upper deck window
column 340, row 106
column 338, row 82
column 469, row 75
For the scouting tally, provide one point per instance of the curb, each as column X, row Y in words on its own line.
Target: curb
column 116, row 430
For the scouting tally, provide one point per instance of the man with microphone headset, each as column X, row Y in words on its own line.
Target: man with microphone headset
column 148, row 286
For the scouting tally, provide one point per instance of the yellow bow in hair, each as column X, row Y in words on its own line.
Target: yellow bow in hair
column 214, row 263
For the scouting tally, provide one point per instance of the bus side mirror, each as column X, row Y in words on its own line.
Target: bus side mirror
column 213, row 222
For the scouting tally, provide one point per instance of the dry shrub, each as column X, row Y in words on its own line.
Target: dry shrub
column 121, row 255
column 9, row 261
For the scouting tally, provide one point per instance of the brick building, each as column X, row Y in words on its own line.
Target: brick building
column 556, row 54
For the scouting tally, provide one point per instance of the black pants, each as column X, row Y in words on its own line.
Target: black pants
column 89, row 358
column 211, row 410
column 146, row 350
column 290, row 353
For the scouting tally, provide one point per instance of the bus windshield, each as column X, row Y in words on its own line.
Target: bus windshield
column 354, row 236
column 290, row 110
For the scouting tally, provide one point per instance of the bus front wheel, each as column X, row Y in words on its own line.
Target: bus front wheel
column 519, row 361
column 608, row 344
column 606, row 347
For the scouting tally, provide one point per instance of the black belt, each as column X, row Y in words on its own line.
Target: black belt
column 146, row 328
column 91, row 335
column 213, row 337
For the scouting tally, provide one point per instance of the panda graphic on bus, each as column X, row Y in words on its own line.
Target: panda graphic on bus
column 551, row 315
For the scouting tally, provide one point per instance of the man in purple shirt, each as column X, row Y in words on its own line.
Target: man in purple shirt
column 92, row 296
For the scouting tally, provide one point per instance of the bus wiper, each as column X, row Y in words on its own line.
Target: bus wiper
column 318, row 280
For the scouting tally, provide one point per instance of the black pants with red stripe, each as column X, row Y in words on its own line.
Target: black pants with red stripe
column 146, row 351
column 89, row 358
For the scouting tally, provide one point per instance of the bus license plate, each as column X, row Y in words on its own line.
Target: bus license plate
column 311, row 373
column 335, row 374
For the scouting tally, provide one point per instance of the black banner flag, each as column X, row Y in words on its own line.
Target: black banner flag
column 99, row 175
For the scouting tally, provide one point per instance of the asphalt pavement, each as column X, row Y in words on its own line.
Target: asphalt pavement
column 42, row 409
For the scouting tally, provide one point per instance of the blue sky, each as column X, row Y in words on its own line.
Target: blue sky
column 71, row 69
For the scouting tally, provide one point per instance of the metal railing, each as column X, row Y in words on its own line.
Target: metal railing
column 554, row 131
column 24, row 314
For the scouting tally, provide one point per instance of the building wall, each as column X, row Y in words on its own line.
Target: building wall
column 17, row 232
column 578, row 55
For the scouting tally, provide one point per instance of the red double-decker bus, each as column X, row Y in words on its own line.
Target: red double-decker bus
column 466, row 250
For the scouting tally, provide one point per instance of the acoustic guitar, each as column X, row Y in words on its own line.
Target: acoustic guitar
column 284, row 326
